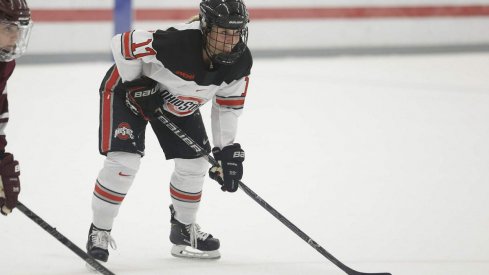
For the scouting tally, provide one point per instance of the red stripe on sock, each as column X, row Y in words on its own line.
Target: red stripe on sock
column 109, row 196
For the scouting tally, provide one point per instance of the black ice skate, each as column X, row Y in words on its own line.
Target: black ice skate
column 189, row 242
column 98, row 243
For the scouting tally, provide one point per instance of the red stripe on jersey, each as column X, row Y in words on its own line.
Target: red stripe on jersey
column 228, row 102
column 107, row 109
column 107, row 195
column 247, row 79
column 185, row 196
column 126, row 45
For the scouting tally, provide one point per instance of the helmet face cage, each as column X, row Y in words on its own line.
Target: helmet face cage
column 15, row 28
column 224, row 27
column 14, row 37
column 225, row 46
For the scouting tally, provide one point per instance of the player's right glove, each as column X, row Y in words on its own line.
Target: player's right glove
column 230, row 171
column 9, row 183
column 143, row 97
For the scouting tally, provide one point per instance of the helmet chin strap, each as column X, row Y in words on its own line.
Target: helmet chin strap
column 231, row 57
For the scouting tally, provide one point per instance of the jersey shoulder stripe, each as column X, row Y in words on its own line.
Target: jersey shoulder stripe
column 126, row 43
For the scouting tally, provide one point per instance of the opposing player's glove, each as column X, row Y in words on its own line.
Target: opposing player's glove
column 230, row 171
column 143, row 97
column 9, row 184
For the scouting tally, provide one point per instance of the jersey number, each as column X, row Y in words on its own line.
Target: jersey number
column 149, row 50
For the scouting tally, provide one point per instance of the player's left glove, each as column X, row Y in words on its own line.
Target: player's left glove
column 230, row 171
column 9, row 183
column 143, row 97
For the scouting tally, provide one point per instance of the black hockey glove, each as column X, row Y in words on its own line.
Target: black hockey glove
column 230, row 159
column 143, row 97
column 9, row 184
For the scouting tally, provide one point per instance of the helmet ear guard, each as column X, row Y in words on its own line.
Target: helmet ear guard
column 227, row 14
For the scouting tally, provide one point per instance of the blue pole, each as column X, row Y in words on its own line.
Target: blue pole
column 122, row 16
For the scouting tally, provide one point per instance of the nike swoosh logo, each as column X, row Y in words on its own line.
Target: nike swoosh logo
column 123, row 175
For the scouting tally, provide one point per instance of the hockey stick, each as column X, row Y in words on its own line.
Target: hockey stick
column 199, row 150
column 51, row 230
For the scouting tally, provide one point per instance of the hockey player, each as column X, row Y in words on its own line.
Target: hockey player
column 15, row 28
column 174, row 71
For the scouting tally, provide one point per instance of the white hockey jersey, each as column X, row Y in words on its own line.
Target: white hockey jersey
column 173, row 57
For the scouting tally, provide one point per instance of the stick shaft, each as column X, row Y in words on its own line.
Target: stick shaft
column 62, row 239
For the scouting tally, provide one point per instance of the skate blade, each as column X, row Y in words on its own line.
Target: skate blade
column 183, row 251
column 91, row 269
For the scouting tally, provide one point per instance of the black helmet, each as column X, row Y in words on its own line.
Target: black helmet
column 15, row 17
column 228, row 14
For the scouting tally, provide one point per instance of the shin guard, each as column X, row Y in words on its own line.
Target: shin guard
column 186, row 187
column 112, row 185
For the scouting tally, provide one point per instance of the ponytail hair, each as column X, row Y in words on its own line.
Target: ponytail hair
column 193, row 19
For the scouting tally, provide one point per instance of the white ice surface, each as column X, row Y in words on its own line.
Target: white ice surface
column 381, row 160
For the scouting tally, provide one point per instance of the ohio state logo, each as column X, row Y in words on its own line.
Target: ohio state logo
column 124, row 131
column 182, row 105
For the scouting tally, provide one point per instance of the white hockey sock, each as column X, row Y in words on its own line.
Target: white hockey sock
column 186, row 188
column 112, row 185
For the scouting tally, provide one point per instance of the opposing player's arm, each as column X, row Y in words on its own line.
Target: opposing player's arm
column 133, row 53
column 4, row 117
column 4, row 113
column 227, row 106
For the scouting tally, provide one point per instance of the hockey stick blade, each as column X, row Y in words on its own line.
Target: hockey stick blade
column 199, row 150
column 65, row 241
column 362, row 273
column 350, row 271
column 353, row 272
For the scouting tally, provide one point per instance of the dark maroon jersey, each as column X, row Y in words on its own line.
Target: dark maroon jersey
column 6, row 70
